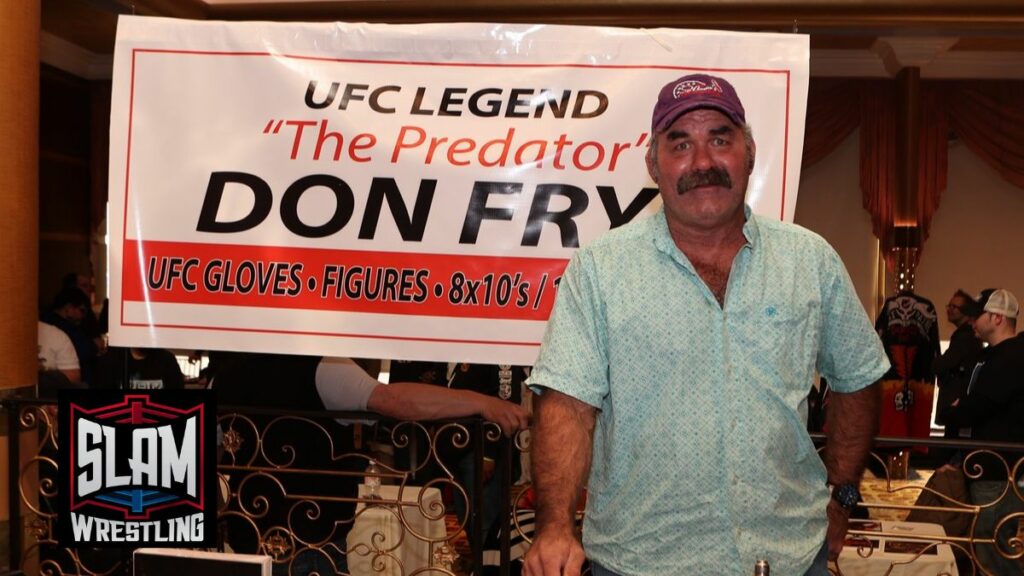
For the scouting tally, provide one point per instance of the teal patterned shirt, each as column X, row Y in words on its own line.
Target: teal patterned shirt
column 701, row 459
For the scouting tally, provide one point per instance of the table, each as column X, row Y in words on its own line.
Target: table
column 890, row 550
column 377, row 532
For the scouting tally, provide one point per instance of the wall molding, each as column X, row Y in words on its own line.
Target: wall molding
column 74, row 59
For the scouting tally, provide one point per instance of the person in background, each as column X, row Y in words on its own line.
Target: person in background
column 313, row 383
column 953, row 367
column 139, row 369
column 67, row 312
column 58, row 362
column 993, row 411
column 325, row 383
column 675, row 368
column 502, row 381
column 418, row 371
column 91, row 323
column 416, row 455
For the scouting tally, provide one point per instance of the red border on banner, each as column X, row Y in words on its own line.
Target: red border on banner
column 336, row 280
column 135, row 51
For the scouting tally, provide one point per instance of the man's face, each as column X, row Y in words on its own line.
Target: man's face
column 985, row 326
column 702, row 167
column 955, row 311
column 76, row 314
column 86, row 285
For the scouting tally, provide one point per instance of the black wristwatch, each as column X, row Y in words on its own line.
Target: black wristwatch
column 846, row 495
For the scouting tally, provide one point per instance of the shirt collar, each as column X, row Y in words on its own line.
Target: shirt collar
column 663, row 239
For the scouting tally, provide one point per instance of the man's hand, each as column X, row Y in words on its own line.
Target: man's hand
column 562, row 442
column 838, row 519
column 511, row 417
column 554, row 553
column 852, row 424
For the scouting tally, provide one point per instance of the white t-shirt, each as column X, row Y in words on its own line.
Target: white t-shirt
column 343, row 385
column 56, row 352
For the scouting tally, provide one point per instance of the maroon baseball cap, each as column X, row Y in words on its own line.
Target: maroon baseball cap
column 692, row 92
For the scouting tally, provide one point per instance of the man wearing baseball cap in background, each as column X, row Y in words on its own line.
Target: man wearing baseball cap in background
column 993, row 410
column 674, row 372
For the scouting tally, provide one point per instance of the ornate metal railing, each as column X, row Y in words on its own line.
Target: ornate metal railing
column 993, row 540
column 288, row 490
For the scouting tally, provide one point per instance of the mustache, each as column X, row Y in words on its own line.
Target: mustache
column 709, row 177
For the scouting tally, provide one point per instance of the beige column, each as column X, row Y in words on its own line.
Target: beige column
column 19, row 224
column 19, row 191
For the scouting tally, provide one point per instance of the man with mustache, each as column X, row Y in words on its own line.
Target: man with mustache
column 674, row 373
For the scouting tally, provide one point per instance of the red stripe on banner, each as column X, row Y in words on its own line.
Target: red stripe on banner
column 494, row 287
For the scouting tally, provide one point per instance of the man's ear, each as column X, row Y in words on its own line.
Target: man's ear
column 652, row 169
column 751, row 157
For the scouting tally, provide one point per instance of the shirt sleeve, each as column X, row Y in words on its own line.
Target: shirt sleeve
column 64, row 355
column 851, row 356
column 574, row 354
column 962, row 346
column 343, row 385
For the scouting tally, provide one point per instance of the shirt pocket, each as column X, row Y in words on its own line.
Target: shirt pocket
column 784, row 340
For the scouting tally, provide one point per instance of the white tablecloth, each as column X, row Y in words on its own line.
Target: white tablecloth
column 378, row 529
column 884, row 555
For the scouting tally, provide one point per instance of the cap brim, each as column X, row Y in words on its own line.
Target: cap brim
column 683, row 107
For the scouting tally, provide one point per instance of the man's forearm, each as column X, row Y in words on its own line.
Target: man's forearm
column 415, row 401
column 852, row 423
column 562, row 443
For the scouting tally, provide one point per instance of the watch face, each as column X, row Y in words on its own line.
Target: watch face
column 847, row 495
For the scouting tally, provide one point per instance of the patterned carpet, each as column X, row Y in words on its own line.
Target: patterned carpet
column 460, row 544
column 903, row 492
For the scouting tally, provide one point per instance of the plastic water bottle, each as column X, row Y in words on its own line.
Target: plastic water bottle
column 372, row 480
column 761, row 568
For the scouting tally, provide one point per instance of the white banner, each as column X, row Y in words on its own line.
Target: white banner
column 408, row 192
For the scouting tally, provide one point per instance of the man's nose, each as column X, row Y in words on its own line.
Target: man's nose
column 702, row 158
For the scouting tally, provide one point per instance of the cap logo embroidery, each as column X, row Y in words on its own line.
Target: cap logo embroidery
column 687, row 87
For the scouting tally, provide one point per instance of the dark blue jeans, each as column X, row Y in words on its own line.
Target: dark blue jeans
column 819, row 567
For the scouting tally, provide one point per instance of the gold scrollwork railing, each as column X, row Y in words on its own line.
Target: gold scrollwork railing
column 287, row 488
column 287, row 485
column 992, row 541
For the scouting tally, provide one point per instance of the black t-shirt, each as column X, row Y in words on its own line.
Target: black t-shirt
column 502, row 381
column 293, row 444
column 279, row 381
column 157, row 370
column 418, row 371
column 994, row 406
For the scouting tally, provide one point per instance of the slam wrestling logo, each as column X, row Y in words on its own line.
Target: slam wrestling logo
column 137, row 468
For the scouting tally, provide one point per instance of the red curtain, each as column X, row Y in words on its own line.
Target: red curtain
column 933, row 159
column 989, row 117
column 833, row 112
column 835, row 107
column 878, row 154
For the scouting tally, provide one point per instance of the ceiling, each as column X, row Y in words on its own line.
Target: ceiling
column 855, row 38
